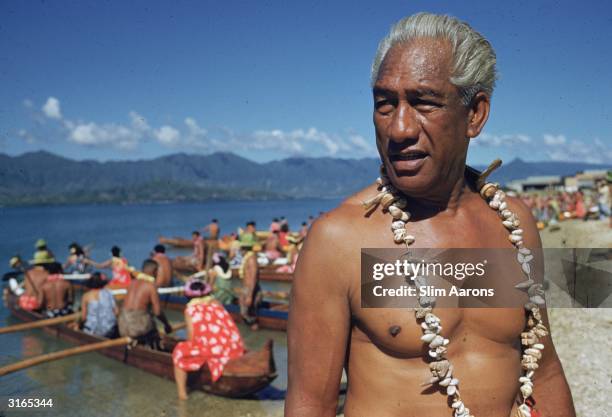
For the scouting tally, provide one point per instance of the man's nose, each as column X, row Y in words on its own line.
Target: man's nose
column 404, row 125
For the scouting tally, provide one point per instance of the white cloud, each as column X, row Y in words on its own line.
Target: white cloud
column 92, row 134
column 167, row 135
column 554, row 140
column 51, row 109
column 139, row 123
column 192, row 136
column 509, row 140
column 561, row 149
column 26, row 136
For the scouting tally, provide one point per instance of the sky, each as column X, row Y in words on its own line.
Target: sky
column 269, row 80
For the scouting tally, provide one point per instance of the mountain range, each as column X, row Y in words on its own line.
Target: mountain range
column 45, row 178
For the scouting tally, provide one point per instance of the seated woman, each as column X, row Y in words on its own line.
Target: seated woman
column 220, row 278
column 98, row 308
column 77, row 260
column 212, row 337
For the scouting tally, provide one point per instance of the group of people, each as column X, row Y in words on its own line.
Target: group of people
column 552, row 207
column 212, row 334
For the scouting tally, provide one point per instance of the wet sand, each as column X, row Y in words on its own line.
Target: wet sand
column 583, row 337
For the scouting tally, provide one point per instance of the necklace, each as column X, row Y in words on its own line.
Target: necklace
column 392, row 202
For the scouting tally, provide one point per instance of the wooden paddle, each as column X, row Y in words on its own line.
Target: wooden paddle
column 48, row 357
column 40, row 323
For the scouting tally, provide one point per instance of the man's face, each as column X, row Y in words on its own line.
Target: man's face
column 418, row 116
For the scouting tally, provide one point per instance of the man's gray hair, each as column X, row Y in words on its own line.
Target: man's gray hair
column 473, row 56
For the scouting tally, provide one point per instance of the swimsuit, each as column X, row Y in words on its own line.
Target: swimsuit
column 28, row 302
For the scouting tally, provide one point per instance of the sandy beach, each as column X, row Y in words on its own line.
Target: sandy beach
column 583, row 336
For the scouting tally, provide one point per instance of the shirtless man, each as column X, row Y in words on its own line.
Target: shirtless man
column 251, row 295
column 423, row 125
column 140, row 305
column 55, row 295
column 164, row 271
column 212, row 229
column 34, row 279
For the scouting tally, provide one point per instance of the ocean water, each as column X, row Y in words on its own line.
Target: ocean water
column 91, row 384
column 135, row 228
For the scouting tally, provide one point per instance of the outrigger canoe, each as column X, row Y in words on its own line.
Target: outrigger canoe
column 270, row 315
column 266, row 273
column 241, row 377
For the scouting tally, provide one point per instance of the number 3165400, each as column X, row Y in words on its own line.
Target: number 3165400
column 30, row 402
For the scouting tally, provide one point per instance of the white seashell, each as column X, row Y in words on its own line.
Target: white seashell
column 529, row 374
column 457, row 404
column 534, row 352
column 526, row 268
column 506, row 213
column 524, row 410
column 494, row 204
column 405, row 216
column 524, row 379
column 528, row 258
column 537, row 300
column 395, row 212
column 518, row 232
column 525, row 284
column 525, row 251
column 538, row 346
column 526, row 390
column 516, row 222
column 515, row 238
column 508, row 224
column 503, row 206
column 425, row 326
column 535, row 289
column 409, row 239
column 454, row 381
column 432, row 318
column 398, row 224
column 427, row 338
column 398, row 238
column 446, row 342
column 520, row 257
column 433, row 354
column 445, row 382
column 451, row 390
column 437, row 341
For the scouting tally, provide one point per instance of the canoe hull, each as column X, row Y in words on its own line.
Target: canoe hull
column 241, row 377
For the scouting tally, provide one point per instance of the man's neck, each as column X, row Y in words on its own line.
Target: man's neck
column 447, row 198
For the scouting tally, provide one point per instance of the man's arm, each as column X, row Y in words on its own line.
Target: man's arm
column 319, row 325
column 551, row 391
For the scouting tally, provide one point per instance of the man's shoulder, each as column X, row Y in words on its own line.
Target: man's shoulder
column 350, row 212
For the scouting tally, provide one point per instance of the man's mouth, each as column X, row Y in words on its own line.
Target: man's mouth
column 408, row 162
column 408, row 156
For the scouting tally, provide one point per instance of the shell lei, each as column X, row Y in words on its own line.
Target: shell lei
column 441, row 369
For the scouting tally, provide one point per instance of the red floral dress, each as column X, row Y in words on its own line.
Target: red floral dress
column 215, row 339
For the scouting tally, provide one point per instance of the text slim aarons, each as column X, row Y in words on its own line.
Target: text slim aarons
column 405, row 268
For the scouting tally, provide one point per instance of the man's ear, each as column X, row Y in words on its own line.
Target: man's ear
column 478, row 114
